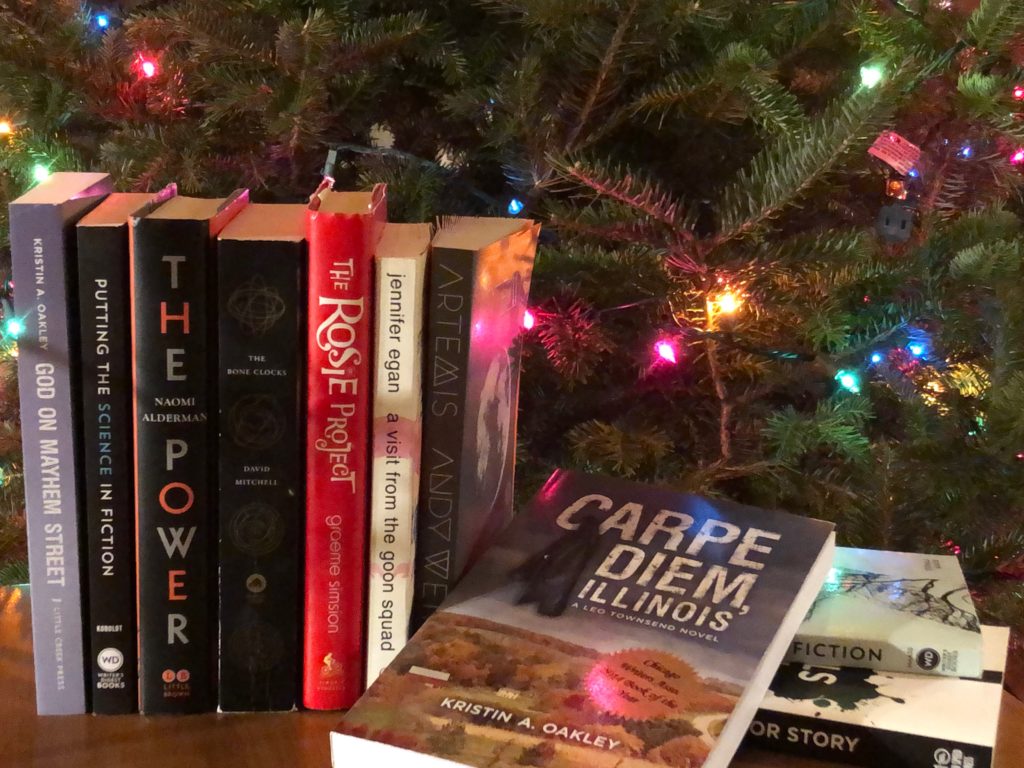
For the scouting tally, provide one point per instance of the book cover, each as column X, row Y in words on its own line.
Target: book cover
column 42, row 251
column 896, row 611
column 397, row 413
column 342, row 229
column 261, row 259
column 173, row 358
column 892, row 719
column 105, row 436
column 613, row 625
column 479, row 281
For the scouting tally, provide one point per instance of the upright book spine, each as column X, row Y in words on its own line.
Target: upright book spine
column 104, row 322
column 397, row 424
column 337, row 453
column 171, row 344
column 449, row 306
column 260, row 303
column 46, row 371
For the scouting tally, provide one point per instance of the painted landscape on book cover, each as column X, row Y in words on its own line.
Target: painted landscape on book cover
column 613, row 625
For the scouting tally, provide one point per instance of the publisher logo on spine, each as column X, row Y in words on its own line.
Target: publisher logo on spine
column 110, row 659
column 928, row 658
column 944, row 758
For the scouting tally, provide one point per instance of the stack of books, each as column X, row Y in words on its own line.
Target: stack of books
column 624, row 626
column 226, row 422
column 890, row 667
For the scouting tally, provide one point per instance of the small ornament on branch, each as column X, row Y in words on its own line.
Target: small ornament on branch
column 895, row 151
column 895, row 223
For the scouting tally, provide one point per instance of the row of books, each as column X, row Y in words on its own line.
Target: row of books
column 223, row 415
column 616, row 624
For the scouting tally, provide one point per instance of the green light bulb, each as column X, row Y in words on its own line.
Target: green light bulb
column 849, row 381
column 871, row 75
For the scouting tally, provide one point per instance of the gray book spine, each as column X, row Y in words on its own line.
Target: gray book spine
column 39, row 243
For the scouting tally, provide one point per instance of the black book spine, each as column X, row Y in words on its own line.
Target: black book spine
column 173, row 351
column 861, row 745
column 449, row 317
column 260, row 450
column 106, row 438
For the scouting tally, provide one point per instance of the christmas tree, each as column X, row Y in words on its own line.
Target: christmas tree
column 733, row 296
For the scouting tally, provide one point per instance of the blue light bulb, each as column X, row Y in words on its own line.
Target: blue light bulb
column 913, row 173
column 876, row 358
column 102, row 21
column 965, row 150
column 515, row 206
column 916, row 348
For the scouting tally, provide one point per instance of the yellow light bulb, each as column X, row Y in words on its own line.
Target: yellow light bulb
column 6, row 129
column 728, row 302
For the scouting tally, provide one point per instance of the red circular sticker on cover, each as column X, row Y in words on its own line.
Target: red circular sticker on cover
column 168, row 676
column 641, row 684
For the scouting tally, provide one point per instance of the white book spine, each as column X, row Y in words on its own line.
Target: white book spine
column 397, row 419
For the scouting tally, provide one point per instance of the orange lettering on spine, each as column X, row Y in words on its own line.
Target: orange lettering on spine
column 165, row 318
column 174, row 583
column 189, row 498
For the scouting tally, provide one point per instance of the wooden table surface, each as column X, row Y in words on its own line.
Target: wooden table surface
column 287, row 740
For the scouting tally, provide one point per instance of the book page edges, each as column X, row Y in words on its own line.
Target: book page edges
column 268, row 222
column 348, row 751
column 62, row 187
column 743, row 713
column 471, row 233
column 119, row 207
column 404, row 241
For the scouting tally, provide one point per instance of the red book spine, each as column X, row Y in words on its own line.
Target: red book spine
column 337, row 450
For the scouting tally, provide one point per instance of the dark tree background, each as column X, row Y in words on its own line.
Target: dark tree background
column 716, row 306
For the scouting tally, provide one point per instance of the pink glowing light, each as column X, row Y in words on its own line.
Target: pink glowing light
column 666, row 350
column 529, row 320
column 1017, row 157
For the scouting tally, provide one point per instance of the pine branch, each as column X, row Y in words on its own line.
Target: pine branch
column 988, row 261
column 626, row 187
column 836, row 425
column 778, row 176
column 611, row 448
column 597, row 94
column 995, row 23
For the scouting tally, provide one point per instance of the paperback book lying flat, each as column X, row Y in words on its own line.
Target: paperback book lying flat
column 614, row 624
column 890, row 719
column 899, row 611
